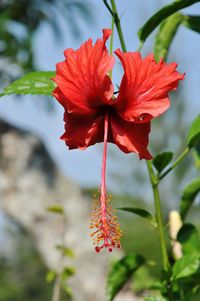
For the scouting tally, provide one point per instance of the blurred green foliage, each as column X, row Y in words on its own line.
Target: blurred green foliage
column 22, row 276
column 19, row 21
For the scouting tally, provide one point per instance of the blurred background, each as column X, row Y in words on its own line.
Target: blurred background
column 33, row 36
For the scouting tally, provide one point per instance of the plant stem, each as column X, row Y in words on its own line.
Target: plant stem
column 57, row 288
column 118, row 25
column 108, row 7
column 112, row 36
column 159, row 220
column 178, row 160
column 111, row 43
column 114, row 13
column 158, row 212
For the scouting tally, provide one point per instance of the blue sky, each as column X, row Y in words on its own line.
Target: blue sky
column 85, row 166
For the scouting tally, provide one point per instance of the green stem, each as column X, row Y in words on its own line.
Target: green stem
column 111, row 43
column 112, row 36
column 140, row 47
column 159, row 218
column 108, row 7
column 114, row 13
column 57, row 288
column 178, row 160
column 118, row 25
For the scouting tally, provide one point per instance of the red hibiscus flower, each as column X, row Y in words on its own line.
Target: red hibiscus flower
column 93, row 114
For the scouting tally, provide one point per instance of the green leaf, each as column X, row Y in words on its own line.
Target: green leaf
column 68, row 291
column 56, row 209
column 162, row 14
column 65, row 250
column 162, row 160
column 143, row 280
column 196, row 155
column 32, row 83
column 141, row 212
column 186, row 266
column 166, row 35
column 194, row 133
column 191, row 293
column 51, row 275
column 188, row 196
column 192, row 22
column 196, row 160
column 67, row 272
column 121, row 272
column 188, row 237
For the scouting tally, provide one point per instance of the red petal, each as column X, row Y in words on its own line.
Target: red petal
column 144, row 89
column 131, row 137
column 82, row 132
column 82, row 78
column 62, row 100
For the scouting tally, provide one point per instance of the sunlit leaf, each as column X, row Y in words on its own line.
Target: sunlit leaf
column 165, row 36
column 188, row 196
column 186, row 266
column 189, row 239
column 141, row 212
column 194, row 132
column 68, row 291
column 121, row 273
column 196, row 154
column 51, row 275
column 162, row 14
column 56, row 209
column 32, row 83
column 162, row 160
column 65, row 250
column 192, row 22
column 67, row 272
